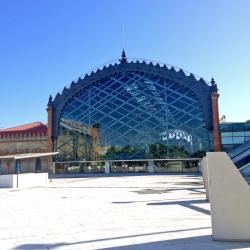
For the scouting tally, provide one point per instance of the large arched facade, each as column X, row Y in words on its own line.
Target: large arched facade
column 133, row 110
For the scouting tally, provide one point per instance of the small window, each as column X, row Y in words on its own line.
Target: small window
column 38, row 166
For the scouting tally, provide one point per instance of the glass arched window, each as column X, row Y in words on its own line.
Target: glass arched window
column 133, row 111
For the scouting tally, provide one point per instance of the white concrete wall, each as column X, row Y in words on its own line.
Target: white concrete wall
column 7, row 181
column 24, row 180
column 32, row 180
column 229, row 198
column 205, row 176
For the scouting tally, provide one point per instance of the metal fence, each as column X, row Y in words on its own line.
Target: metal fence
column 184, row 165
column 77, row 167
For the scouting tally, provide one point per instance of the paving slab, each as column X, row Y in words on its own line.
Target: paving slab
column 110, row 212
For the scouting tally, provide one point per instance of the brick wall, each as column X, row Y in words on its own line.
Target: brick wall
column 23, row 143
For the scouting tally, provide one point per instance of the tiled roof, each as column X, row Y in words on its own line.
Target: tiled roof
column 29, row 127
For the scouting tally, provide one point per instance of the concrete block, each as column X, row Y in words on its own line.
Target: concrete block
column 23, row 180
column 205, row 176
column 230, row 199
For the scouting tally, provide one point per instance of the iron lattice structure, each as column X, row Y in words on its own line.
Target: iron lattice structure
column 133, row 110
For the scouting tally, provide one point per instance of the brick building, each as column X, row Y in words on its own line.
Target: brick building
column 27, row 138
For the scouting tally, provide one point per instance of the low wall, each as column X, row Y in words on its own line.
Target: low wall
column 230, row 199
column 7, row 180
column 23, row 180
column 205, row 176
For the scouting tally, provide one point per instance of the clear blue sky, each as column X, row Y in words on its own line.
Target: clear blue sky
column 45, row 44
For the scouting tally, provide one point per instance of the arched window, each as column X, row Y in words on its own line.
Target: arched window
column 133, row 110
column 38, row 166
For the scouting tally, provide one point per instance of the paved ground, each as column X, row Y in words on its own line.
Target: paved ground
column 119, row 212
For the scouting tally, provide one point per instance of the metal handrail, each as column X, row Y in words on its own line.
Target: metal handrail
column 131, row 160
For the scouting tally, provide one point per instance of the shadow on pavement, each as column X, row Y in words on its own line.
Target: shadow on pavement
column 40, row 246
column 186, row 203
column 189, row 243
column 161, row 190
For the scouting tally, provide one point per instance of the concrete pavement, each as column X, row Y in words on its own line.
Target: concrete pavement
column 116, row 212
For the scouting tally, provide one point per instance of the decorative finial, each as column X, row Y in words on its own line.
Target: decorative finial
column 50, row 100
column 124, row 57
column 213, row 86
column 212, row 81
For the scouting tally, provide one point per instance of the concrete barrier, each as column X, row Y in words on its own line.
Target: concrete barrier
column 7, row 181
column 23, row 180
column 230, row 199
column 205, row 176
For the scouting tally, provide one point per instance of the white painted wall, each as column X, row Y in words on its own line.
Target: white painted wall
column 32, row 180
column 229, row 198
column 24, row 180
column 7, row 181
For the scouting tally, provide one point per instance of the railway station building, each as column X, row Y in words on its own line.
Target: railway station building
column 134, row 109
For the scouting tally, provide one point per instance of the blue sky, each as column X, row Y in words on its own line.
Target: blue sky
column 45, row 44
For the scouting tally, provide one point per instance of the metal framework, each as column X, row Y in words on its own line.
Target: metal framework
column 133, row 110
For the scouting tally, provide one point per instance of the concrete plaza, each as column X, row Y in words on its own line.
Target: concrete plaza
column 110, row 212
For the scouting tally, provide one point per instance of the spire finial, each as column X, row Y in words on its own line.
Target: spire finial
column 213, row 85
column 212, row 81
column 50, row 100
column 124, row 57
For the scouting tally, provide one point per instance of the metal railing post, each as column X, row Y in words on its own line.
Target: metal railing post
column 151, row 166
column 107, row 167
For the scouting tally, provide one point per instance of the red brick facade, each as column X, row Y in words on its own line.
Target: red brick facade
column 28, row 138
column 216, row 133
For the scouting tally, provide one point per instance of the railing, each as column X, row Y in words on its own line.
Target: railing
column 77, row 167
column 183, row 165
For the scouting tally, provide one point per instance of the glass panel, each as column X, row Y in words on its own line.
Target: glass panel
column 161, row 167
column 227, row 148
column 238, row 126
column 190, row 166
column 227, row 140
column 224, row 127
column 175, row 166
column 238, row 133
column 226, row 134
column 247, row 138
column 79, row 167
column 247, row 126
column 149, row 117
column 128, row 167
column 245, row 171
column 238, row 140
